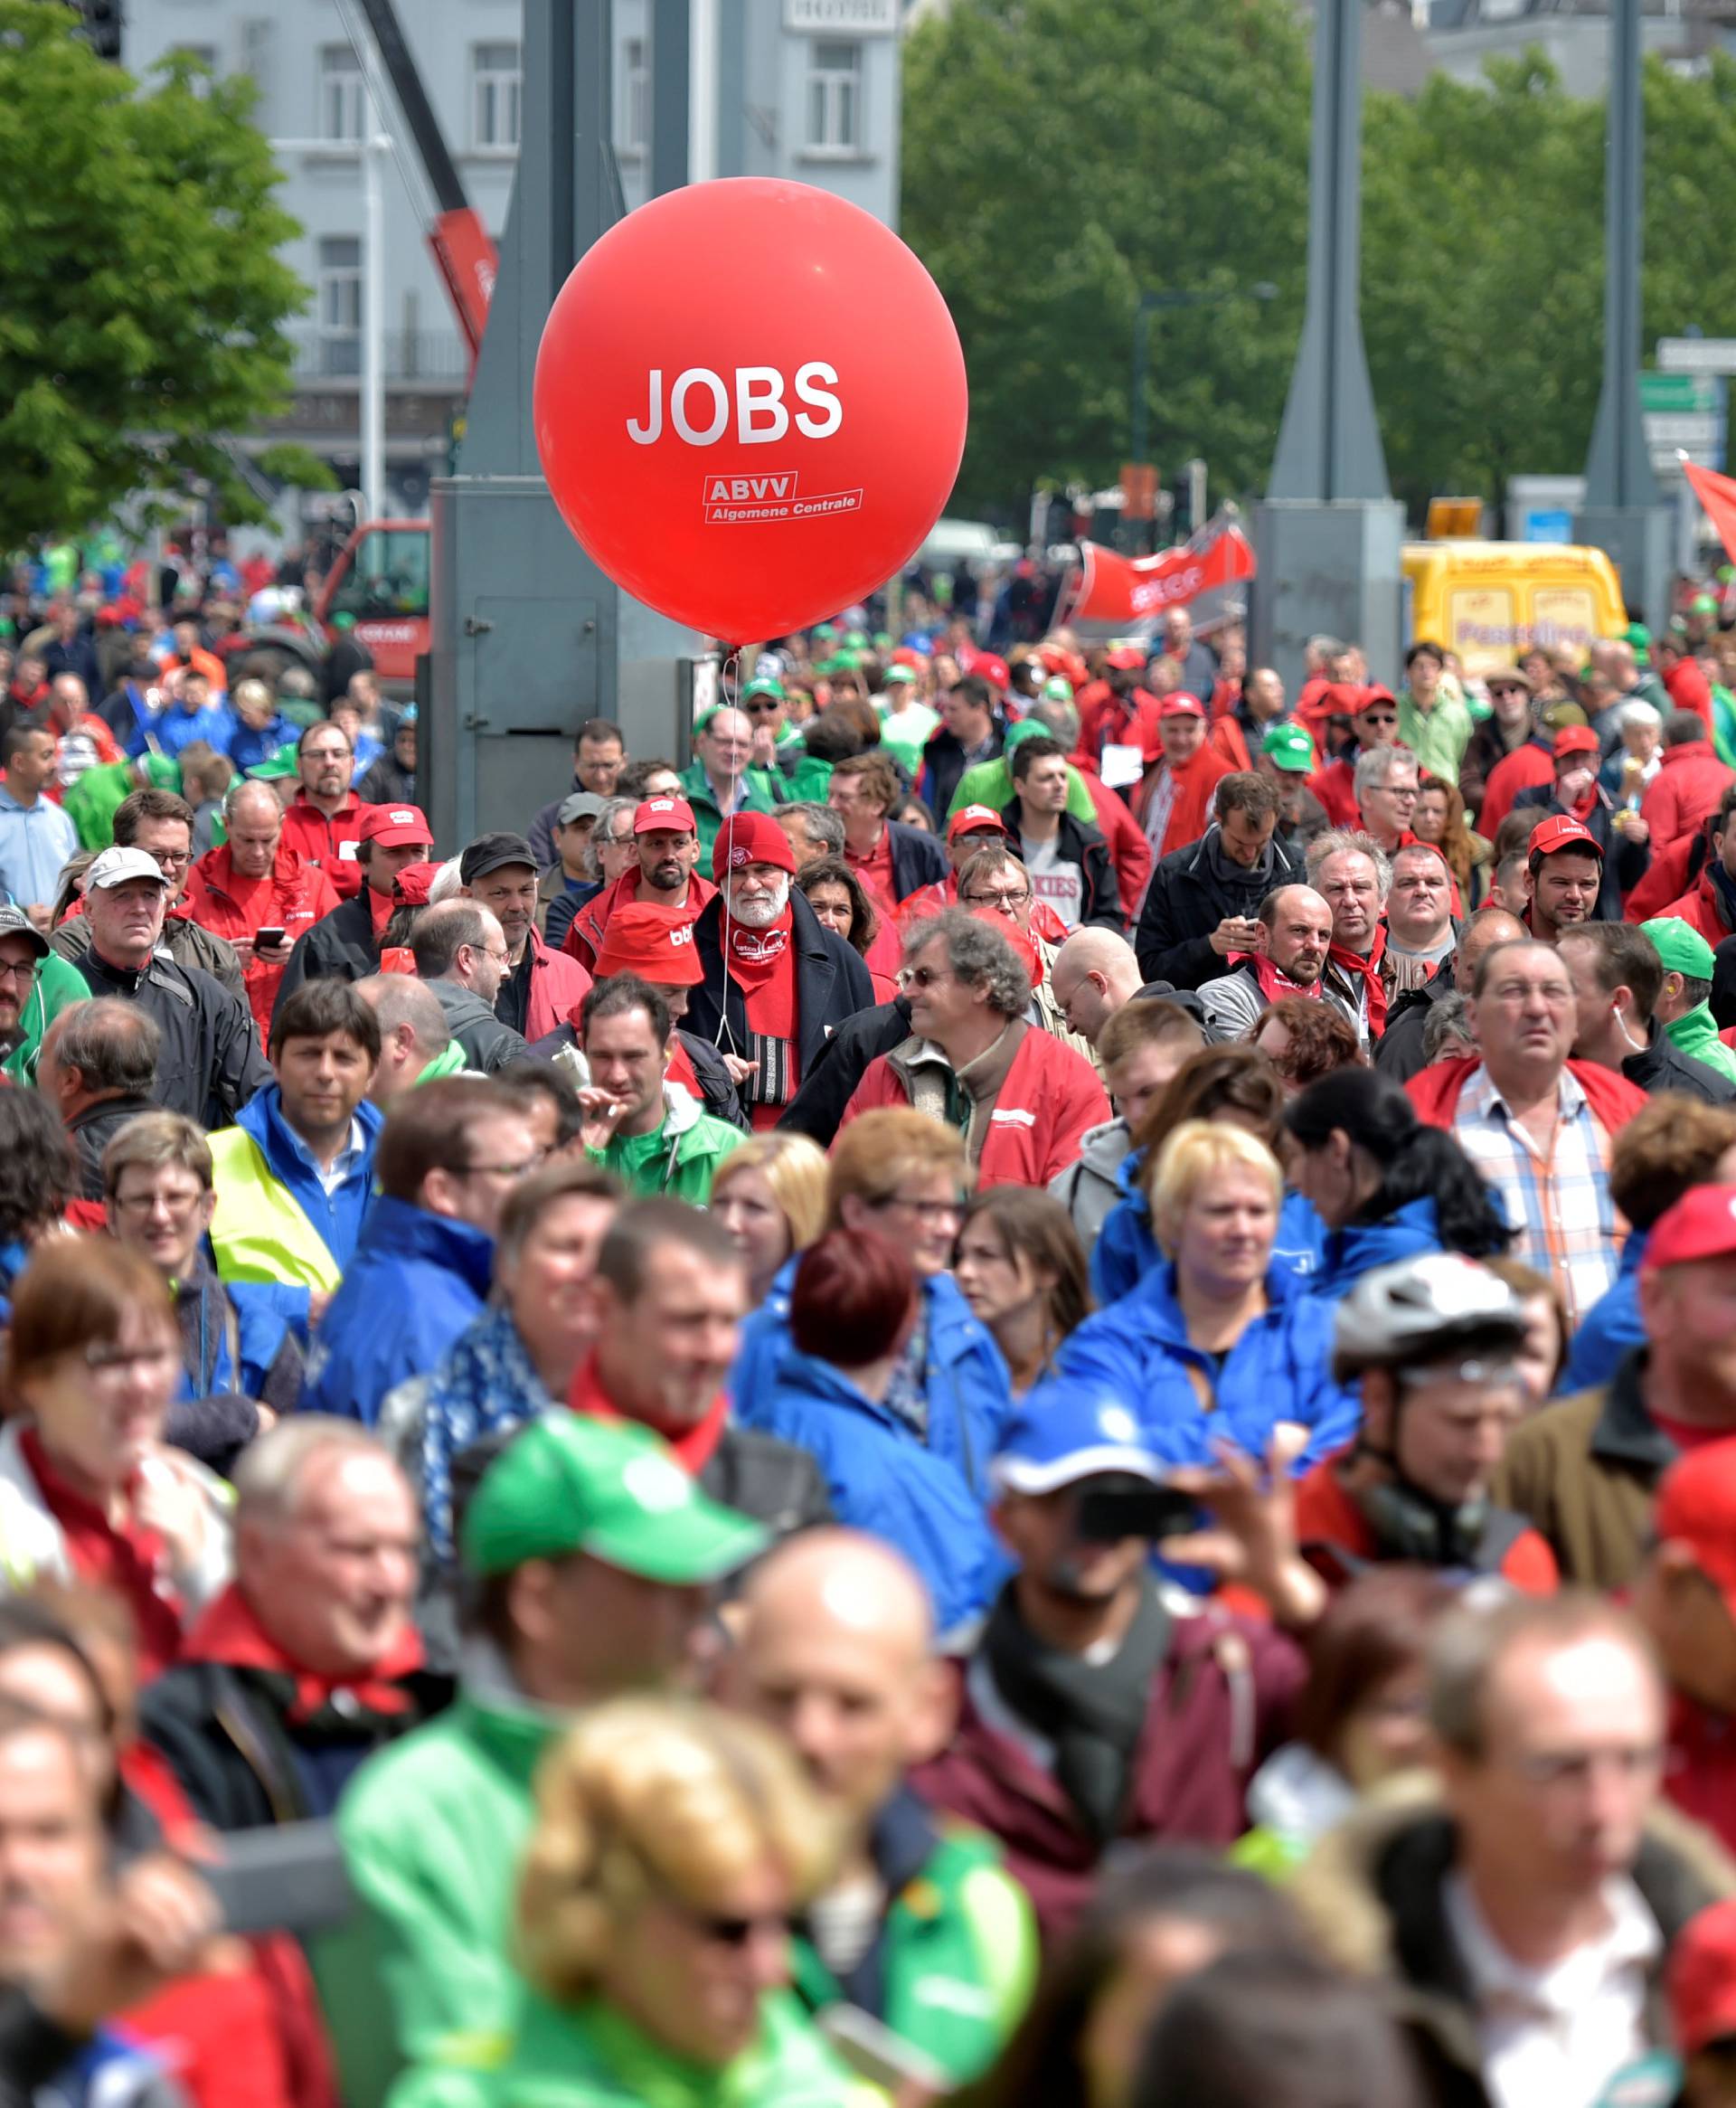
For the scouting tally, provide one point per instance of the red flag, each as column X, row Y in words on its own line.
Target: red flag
column 1718, row 495
column 1122, row 589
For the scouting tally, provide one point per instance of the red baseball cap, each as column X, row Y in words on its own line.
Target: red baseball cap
column 1696, row 1507
column 411, row 883
column 1701, row 1225
column 673, row 813
column 1702, row 1976
column 392, row 825
column 994, row 671
column 1181, row 705
column 1015, row 937
column 1561, row 830
column 1575, row 738
column 969, row 818
column 749, row 837
column 655, row 943
column 1127, row 658
column 905, row 656
column 1343, row 698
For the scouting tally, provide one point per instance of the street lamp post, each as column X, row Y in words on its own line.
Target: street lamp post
column 1148, row 303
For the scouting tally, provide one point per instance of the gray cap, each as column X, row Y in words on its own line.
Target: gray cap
column 580, row 805
column 15, row 922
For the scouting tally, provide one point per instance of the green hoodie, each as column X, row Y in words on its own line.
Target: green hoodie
column 677, row 1160
column 1696, row 1035
column 448, row 1063
column 762, row 791
column 58, row 985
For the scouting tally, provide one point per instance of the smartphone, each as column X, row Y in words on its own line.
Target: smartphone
column 289, row 1878
column 270, row 934
column 1146, row 1511
column 874, row 2053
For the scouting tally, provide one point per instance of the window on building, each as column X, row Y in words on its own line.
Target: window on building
column 495, row 79
column 835, row 97
column 204, row 55
column 339, row 297
column 343, row 97
column 636, row 97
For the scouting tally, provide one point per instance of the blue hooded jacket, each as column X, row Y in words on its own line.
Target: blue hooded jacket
column 416, row 1282
column 882, row 1479
column 969, row 1393
column 1126, row 1251
column 1348, row 1254
column 1279, row 1369
column 1611, row 1329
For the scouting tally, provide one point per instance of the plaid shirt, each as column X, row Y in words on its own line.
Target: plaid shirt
column 1569, row 1227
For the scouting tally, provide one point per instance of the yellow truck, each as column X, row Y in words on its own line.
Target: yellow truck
column 1490, row 601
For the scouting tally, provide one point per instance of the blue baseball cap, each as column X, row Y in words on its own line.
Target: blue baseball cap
column 1068, row 1430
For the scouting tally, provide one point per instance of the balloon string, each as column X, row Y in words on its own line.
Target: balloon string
column 729, row 676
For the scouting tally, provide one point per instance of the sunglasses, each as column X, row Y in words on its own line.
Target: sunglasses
column 765, row 708
column 1380, row 716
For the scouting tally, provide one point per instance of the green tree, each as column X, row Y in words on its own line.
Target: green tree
column 142, row 298
column 1057, row 161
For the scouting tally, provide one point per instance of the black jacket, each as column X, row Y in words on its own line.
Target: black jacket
column 189, row 943
column 772, row 1481
column 1100, row 902
column 1398, row 1052
column 918, row 858
column 339, row 947
column 944, row 762
column 387, row 783
column 93, row 1129
column 831, row 985
column 1625, row 862
column 1661, row 1066
column 716, row 1087
column 210, row 1065
column 1189, row 896
column 818, row 1105
column 487, row 1043
column 226, row 1735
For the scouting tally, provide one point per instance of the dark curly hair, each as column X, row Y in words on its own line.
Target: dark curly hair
column 1322, row 1039
column 864, row 924
column 39, row 1173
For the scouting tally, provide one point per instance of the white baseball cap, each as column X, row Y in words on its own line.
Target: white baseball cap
column 115, row 866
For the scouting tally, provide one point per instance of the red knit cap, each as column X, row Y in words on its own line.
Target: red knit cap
column 750, row 838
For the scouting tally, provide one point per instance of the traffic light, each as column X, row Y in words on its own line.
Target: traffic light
column 101, row 30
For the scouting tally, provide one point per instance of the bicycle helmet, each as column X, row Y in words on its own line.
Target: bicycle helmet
column 1422, row 1311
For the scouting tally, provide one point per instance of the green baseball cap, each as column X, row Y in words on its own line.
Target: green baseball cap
column 841, row 662
column 609, row 1488
column 823, row 632
column 276, row 767
column 856, row 639
column 161, row 771
column 882, row 640
column 764, row 688
column 1680, row 946
column 1058, row 690
column 1640, row 638
column 900, row 677
column 1289, row 748
column 1703, row 604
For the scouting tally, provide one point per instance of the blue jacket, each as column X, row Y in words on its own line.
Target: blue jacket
column 1611, row 1328
column 1278, row 1370
column 882, row 1479
column 249, row 748
column 416, row 1282
column 1347, row 1255
column 1126, row 1250
column 174, row 729
column 969, row 1393
column 258, row 1330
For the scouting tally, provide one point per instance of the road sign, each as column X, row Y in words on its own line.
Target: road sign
column 1683, row 394
column 1685, row 411
column 1696, row 354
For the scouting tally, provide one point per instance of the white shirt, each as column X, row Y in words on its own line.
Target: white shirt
column 1557, row 2035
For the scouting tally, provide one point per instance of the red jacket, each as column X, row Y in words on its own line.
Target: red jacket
column 1129, row 851
column 1220, row 1704
column 1434, row 1092
column 1051, row 1096
column 295, row 895
column 1327, row 1515
column 558, row 986
column 1685, row 791
column 1666, row 876
column 1190, row 813
column 1700, row 1766
column 1689, row 689
column 1106, row 719
column 1335, row 787
column 1525, row 769
column 331, row 843
column 584, row 938
column 1698, row 910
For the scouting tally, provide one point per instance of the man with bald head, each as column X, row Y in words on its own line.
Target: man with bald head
column 1293, row 934
column 721, row 781
column 1399, row 1053
column 416, row 1045
column 922, row 1927
column 1092, row 974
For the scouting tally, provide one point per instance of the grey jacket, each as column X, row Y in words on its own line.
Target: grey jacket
column 1232, row 1002
column 1090, row 1187
column 489, row 1045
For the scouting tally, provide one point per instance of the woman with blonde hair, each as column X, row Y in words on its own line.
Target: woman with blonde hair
column 769, row 1195
column 1217, row 1343
column 674, row 1845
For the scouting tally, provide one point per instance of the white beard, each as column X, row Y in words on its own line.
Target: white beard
column 759, row 914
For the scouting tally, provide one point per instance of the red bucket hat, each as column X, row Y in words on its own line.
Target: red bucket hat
column 655, row 943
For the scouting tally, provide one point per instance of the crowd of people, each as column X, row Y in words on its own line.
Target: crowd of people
column 1021, row 1390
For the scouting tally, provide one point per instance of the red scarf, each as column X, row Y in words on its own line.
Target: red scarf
column 693, row 1447
column 1351, row 963
column 1274, row 985
column 131, row 1561
column 380, row 911
column 230, row 1633
column 760, row 966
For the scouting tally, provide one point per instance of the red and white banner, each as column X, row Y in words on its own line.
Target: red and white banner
column 1718, row 495
column 1114, row 588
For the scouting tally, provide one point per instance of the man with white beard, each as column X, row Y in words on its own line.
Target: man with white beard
column 777, row 983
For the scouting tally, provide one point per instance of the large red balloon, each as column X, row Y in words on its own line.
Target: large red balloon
column 750, row 405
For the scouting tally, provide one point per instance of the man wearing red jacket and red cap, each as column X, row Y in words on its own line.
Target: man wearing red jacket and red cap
column 666, row 836
column 1175, row 802
column 1374, row 714
column 1536, row 1124
column 1119, row 711
column 322, row 824
column 776, row 983
column 1709, row 905
column 1023, row 1099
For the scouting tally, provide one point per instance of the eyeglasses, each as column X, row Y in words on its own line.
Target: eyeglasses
column 1508, row 688
column 997, row 900
column 107, row 1361
column 1406, row 793
column 926, row 1210
column 520, row 1170
column 923, row 976
column 175, row 860
column 142, row 1205
column 24, row 973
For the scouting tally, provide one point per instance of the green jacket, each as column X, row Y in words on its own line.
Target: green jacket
column 991, row 783
column 432, row 1830
column 451, row 1063
column 680, row 1159
column 57, row 986
column 1695, row 1034
column 594, row 2058
column 1723, row 724
column 762, row 791
column 91, row 802
column 953, row 1968
column 1438, row 737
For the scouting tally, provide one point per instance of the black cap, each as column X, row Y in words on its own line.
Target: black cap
column 491, row 853
column 15, row 922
